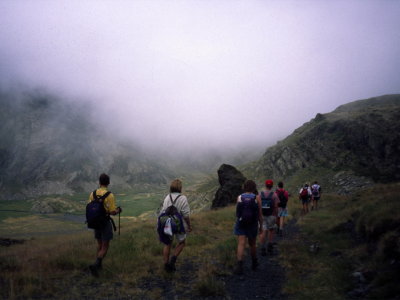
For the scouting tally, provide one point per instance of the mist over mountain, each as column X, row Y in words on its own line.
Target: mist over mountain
column 51, row 146
column 353, row 146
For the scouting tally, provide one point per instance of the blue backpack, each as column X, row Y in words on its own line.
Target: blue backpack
column 267, row 204
column 247, row 209
column 96, row 215
column 175, row 222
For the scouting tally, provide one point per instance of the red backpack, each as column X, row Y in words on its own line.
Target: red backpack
column 304, row 194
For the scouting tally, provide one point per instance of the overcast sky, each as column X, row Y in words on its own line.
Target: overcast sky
column 204, row 73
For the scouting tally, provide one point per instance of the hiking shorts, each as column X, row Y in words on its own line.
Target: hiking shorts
column 105, row 234
column 269, row 222
column 305, row 201
column 249, row 231
column 316, row 198
column 180, row 237
column 283, row 212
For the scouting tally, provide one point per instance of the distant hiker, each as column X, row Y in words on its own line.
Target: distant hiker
column 283, row 196
column 269, row 203
column 315, row 194
column 174, row 211
column 305, row 196
column 248, row 222
column 103, row 226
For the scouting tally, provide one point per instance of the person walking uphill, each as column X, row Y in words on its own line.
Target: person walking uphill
column 316, row 195
column 305, row 196
column 175, row 210
column 269, row 202
column 101, row 205
column 248, row 220
column 283, row 196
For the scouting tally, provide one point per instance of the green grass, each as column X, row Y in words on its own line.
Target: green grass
column 327, row 274
column 55, row 267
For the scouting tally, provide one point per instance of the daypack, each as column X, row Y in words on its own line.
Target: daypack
column 171, row 222
column 315, row 190
column 304, row 194
column 282, row 198
column 247, row 210
column 96, row 215
column 267, row 204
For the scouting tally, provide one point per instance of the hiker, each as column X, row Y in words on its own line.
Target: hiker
column 181, row 204
column 315, row 194
column 305, row 196
column 269, row 203
column 248, row 222
column 283, row 196
column 104, row 234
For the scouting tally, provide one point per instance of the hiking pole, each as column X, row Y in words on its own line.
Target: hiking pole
column 119, row 223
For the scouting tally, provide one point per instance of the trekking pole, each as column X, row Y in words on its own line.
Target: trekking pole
column 119, row 223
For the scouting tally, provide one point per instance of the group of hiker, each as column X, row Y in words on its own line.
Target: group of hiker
column 257, row 213
column 310, row 194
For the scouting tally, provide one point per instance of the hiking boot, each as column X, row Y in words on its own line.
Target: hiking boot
column 172, row 263
column 168, row 268
column 263, row 251
column 254, row 264
column 239, row 268
column 94, row 270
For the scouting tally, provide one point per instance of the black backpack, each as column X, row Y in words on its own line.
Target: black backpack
column 267, row 204
column 282, row 199
column 247, row 210
column 96, row 215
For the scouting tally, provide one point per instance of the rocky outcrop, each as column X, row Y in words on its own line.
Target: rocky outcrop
column 231, row 185
column 361, row 138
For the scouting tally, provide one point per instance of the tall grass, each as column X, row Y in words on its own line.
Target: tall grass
column 354, row 233
column 57, row 266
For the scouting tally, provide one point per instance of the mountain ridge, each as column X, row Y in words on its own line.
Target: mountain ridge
column 358, row 140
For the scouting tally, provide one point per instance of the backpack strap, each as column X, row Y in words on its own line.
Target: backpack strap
column 101, row 198
column 174, row 201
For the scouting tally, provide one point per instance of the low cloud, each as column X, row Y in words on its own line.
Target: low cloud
column 203, row 74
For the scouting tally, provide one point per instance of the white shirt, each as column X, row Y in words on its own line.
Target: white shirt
column 181, row 204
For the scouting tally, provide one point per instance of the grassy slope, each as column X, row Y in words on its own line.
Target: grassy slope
column 56, row 267
column 358, row 233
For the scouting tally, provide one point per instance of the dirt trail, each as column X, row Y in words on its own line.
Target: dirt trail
column 264, row 283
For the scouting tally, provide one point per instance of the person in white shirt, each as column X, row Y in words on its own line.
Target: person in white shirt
column 181, row 203
column 315, row 194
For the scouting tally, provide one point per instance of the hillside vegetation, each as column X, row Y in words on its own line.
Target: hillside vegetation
column 357, row 238
column 353, row 146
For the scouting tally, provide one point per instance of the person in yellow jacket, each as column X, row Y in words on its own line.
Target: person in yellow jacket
column 104, row 235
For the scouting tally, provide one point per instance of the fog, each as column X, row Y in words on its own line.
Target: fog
column 203, row 74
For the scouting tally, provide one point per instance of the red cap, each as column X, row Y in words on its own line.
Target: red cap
column 269, row 182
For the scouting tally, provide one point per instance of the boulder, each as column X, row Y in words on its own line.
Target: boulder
column 231, row 185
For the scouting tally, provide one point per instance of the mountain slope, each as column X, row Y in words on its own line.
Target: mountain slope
column 50, row 146
column 355, row 144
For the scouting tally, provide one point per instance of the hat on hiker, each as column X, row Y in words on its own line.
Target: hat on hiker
column 269, row 182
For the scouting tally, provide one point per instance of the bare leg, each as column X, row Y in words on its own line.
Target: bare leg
column 240, row 248
column 179, row 248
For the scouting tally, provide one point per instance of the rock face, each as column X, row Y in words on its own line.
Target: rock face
column 231, row 185
column 360, row 140
column 52, row 147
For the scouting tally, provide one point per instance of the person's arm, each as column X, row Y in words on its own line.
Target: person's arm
column 111, row 207
column 185, row 211
column 276, row 204
column 187, row 220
